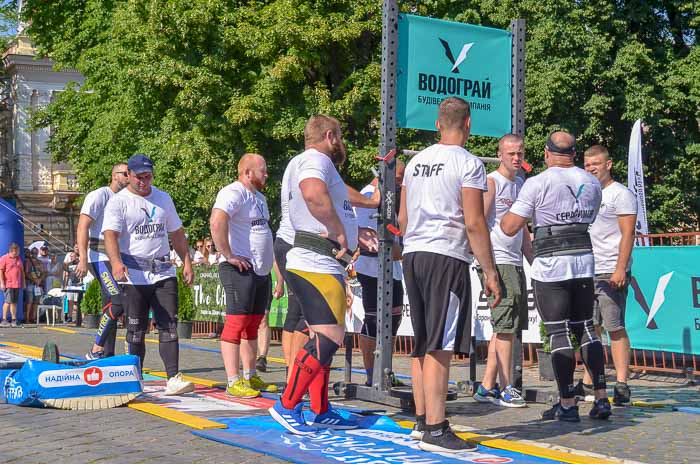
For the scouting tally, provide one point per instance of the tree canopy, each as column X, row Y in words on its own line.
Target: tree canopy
column 197, row 83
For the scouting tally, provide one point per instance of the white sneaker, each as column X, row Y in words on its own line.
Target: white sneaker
column 177, row 386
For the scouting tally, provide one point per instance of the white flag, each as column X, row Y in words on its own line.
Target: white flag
column 635, row 179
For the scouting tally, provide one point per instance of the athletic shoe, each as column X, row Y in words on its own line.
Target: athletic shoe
column 259, row 384
column 621, row 394
column 92, row 356
column 444, row 441
column 582, row 391
column 332, row 420
column 418, row 430
column 510, row 398
column 242, row 389
column 483, row 395
column 601, row 409
column 4, row 324
column 261, row 364
column 291, row 419
column 177, row 386
column 14, row 325
column 563, row 414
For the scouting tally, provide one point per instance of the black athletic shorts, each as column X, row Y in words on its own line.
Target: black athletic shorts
column 567, row 299
column 321, row 296
column 246, row 292
column 294, row 321
column 439, row 293
column 369, row 303
column 161, row 297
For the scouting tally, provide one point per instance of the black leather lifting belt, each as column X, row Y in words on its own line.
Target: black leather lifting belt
column 562, row 240
column 321, row 245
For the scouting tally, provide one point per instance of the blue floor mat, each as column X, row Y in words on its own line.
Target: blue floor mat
column 380, row 440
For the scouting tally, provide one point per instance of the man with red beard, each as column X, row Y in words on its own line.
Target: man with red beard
column 325, row 233
column 241, row 232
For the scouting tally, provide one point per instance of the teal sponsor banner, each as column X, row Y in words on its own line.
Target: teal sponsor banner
column 663, row 303
column 439, row 59
column 210, row 299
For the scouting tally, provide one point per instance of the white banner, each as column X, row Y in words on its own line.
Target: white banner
column 635, row 179
column 481, row 315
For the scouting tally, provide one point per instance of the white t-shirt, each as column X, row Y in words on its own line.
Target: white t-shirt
column 286, row 231
column 555, row 197
column 506, row 250
column 618, row 200
column 434, row 180
column 143, row 224
column 312, row 164
column 249, row 233
column 94, row 206
column 369, row 265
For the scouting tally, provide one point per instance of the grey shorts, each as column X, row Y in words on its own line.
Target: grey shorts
column 609, row 304
column 510, row 316
column 11, row 295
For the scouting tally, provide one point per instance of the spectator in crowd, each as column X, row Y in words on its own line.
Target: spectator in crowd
column 199, row 254
column 214, row 256
column 174, row 258
column 11, row 282
column 54, row 274
column 45, row 261
column 70, row 279
column 33, row 287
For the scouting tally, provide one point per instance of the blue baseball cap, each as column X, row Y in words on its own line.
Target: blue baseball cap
column 139, row 164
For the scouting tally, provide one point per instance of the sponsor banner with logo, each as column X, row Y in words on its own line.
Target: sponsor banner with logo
column 481, row 314
column 635, row 180
column 439, row 59
column 210, row 298
column 663, row 301
column 40, row 380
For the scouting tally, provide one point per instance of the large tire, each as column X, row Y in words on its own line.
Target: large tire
column 51, row 353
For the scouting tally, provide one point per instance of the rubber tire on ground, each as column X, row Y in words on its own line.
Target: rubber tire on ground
column 51, row 353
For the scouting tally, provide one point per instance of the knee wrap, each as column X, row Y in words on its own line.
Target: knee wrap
column 559, row 335
column 169, row 335
column 585, row 332
column 322, row 348
column 136, row 330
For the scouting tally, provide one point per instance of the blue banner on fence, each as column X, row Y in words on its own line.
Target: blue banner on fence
column 439, row 59
column 663, row 304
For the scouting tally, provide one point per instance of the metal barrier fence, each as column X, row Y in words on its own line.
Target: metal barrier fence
column 641, row 360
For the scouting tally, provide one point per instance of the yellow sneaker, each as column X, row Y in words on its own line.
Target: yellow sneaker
column 242, row 389
column 259, row 384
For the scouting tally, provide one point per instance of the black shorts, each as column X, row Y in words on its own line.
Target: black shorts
column 161, row 297
column 564, row 300
column 294, row 321
column 109, row 289
column 321, row 296
column 369, row 303
column 439, row 293
column 12, row 295
column 246, row 292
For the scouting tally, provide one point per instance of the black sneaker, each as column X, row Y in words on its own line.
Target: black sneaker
column 443, row 440
column 418, row 428
column 92, row 356
column 563, row 414
column 582, row 390
column 621, row 394
column 261, row 364
column 601, row 409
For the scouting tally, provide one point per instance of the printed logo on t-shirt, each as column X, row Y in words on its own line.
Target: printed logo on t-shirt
column 582, row 211
column 149, row 217
column 149, row 229
column 428, row 170
column 578, row 193
column 504, row 201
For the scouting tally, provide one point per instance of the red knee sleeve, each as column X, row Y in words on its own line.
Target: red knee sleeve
column 318, row 391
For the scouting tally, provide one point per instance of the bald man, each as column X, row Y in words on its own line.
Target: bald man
column 563, row 202
column 241, row 232
column 367, row 268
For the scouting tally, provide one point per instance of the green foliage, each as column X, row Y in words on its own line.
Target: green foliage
column 92, row 300
column 185, row 299
column 197, row 83
column 545, row 339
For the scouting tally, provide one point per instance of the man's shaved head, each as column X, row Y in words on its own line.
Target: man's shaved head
column 597, row 150
column 508, row 138
column 249, row 161
column 561, row 143
column 252, row 169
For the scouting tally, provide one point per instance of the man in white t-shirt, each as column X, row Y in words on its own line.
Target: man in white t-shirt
column 137, row 224
column 367, row 269
column 241, row 232
column 92, row 257
column 441, row 216
column 510, row 316
column 612, row 235
column 325, row 233
column 562, row 202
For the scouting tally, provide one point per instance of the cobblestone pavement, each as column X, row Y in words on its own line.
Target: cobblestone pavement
column 122, row 435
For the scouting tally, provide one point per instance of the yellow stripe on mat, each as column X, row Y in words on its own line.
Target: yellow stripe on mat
column 59, row 329
column 176, row 416
column 25, row 350
column 197, row 380
column 517, row 447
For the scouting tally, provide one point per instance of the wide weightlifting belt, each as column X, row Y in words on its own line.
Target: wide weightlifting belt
column 321, row 245
column 562, row 240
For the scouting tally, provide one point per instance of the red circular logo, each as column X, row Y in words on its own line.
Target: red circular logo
column 92, row 376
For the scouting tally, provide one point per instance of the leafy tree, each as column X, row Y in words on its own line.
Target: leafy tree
column 197, row 83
